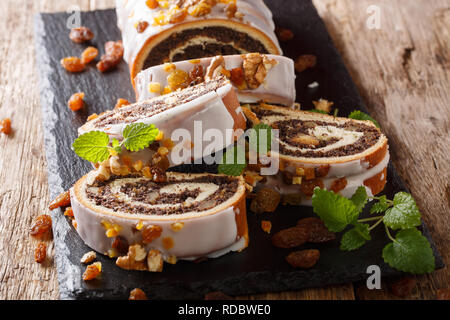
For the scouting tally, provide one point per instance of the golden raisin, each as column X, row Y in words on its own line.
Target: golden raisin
column 76, row 101
column 178, row 16
column 5, row 126
column 120, row 103
column 72, row 64
column 237, row 77
column 266, row 226
column 68, row 212
column 152, row 4
column 304, row 62
column 308, row 186
column 177, row 79
column 63, row 200
column 89, row 54
column 92, row 271
column 338, row 184
column 231, row 10
column 141, row 26
column 168, row 243
column 107, row 63
column 304, row 259
column 114, row 48
column 284, row 34
column 158, row 174
column 40, row 253
column 41, row 227
column 81, row 34
column 150, row 233
column 137, row 294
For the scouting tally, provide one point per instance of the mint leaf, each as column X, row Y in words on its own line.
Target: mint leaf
column 404, row 214
column 260, row 138
column 233, row 162
column 116, row 145
column 410, row 252
column 356, row 237
column 317, row 111
column 380, row 206
column 359, row 115
column 92, row 146
column 335, row 210
column 359, row 198
column 138, row 136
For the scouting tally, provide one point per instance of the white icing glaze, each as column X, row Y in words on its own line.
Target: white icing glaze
column 212, row 234
column 278, row 87
column 129, row 12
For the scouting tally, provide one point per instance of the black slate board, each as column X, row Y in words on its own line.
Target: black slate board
column 259, row 268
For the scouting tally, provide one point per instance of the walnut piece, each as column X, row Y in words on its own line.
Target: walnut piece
column 215, row 68
column 323, row 105
column 155, row 261
column 134, row 260
column 256, row 67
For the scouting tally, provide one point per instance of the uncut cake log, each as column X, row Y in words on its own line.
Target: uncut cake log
column 210, row 105
column 315, row 149
column 154, row 32
column 191, row 215
column 257, row 77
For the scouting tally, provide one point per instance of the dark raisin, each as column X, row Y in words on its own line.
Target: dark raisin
column 304, row 259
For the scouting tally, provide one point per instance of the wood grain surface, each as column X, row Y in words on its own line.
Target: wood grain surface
column 401, row 70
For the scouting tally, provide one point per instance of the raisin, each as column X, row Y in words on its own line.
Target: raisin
column 322, row 171
column 141, row 26
column 287, row 177
column 161, row 161
column 168, row 243
column 72, row 64
column 178, row 16
column 121, row 103
column 81, row 34
column 137, row 294
column 158, row 174
column 41, row 227
column 338, row 184
column 68, row 212
column 150, row 233
column 5, row 126
column 308, row 186
column 92, row 271
column 217, row 295
column 266, row 200
column 237, row 77
column 152, row 4
column 107, row 63
column 443, row 294
column 114, row 48
column 40, row 253
column 63, row 200
column 76, row 101
column 196, row 75
column 304, row 62
column 231, row 10
column 120, row 244
column 403, row 287
column 290, row 237
column 317, row 230
column 177, row 79
column 304, row 259
column 89, row 54
column 284, row 34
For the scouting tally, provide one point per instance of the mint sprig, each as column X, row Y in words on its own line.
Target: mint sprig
column 94, row 146
column 233, row 164
column 409, row 251
column 359, row 115
column 260, row 138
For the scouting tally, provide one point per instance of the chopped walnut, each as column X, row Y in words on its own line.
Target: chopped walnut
column 92, row 271
column 88, row 257
column 155, row 261
column 323, row 105
column 250, row 115
column 215, row 68
column 134, row 260
column 137, row 294
column 256, row 67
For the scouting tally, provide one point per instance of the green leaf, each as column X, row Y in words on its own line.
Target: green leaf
column 138, row 136
column 380, row 206
column 404, row 214
column 116, row 145
column 233, row 162
column 356, row 237
column 256, row 138
column 359, row 115
column 92, row 146
column 317, row 111
column 359, row 198
column 410, row 252
column 335, row 210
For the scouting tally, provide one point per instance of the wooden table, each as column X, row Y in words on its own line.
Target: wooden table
column 401, row 70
